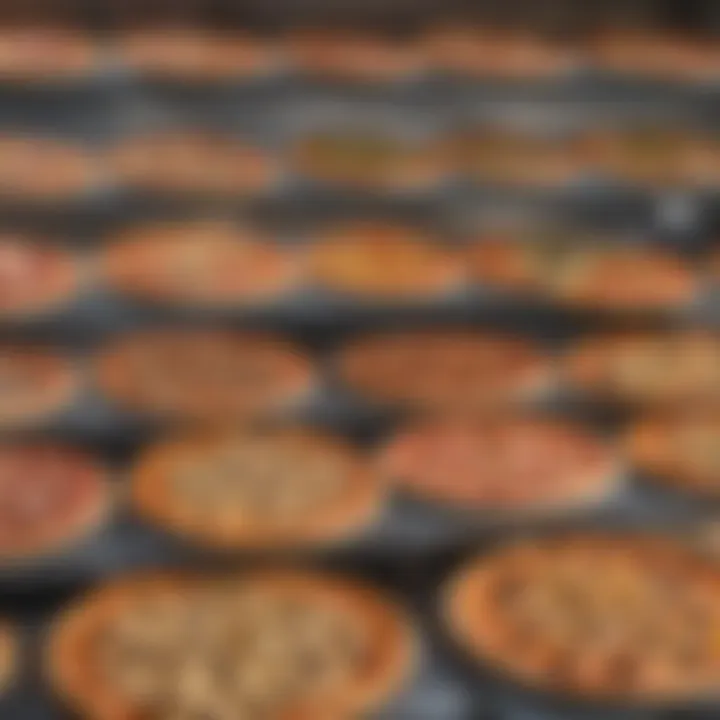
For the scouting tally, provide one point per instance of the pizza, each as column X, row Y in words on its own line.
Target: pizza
column 383, row 260
column 273, row 644
column 50, row 497
column 516, row 157
column 200, row 262
column 443, row 368
column 351, row 55
column 500, row 463
column 46, row 54
column 656, row 55
column 44, row 169
column 655, row 368
column 35, row 384
column 191, row 162
column 35, row 277
column 367, row 159
column 194, row 55
column 257, row 487
column 479, row 52
column 207, row 374
column 585, row 275
column 621, row 618
column 680, row 449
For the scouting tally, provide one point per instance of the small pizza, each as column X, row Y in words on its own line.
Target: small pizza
column 35, row 384
column 43, row 169
column 46, row 54
column 593, row 276
column 352, row 55
column 514, row 157
column 210, row 374
column 513, row 464
column 681, row 449
column 444, row 368
column 205, row 263
column 368, row 160
column 656, row 56
column 50, row 497
column 275, row 644
column 257, row 487
column 194, row 55
column 193, row 163
column 35, row 277
column 491, row 53
column 656, row 368
column 614, row 617
column 371, row 259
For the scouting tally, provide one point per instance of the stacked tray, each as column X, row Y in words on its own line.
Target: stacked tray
column 411, row 355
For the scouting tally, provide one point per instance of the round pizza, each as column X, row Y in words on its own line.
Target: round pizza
column 35, row 384
column 492, row 53
column 680, row 449
column 274, row 644
column 179, row 54
column 601, row 617
column 191, row 162
column 372, row 259
column 50, row 497
column 210, row 374
column 514, row 157
column 500, row 463
column 444, row 368
column 593, row 276
column 34, row 277
column 368, row 160
column 44, row 169
column 46, row 54
column 201, row 262
column 672, row 367
column 351, row 55
column 257, row 487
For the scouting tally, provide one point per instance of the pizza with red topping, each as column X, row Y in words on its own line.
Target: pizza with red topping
column 500, row 463
column 35, row 384
column 599, row 617
column 191, row 162
column 205, row 374
column 577, row 274
column 35, row 277
column 279, row 644
column 257, row 487
column 671, row 367
column 376, row 260
column 444, row 368
column 204, row 263
column 50, row 497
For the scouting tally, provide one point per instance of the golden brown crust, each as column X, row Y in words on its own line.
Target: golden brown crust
column 646, row 368
column 351, row 55
column 680, row 449
column 602, row 617
column 36, row 278
column 192, row 54
column 444, row 368
column 205, row 263
column 369, row 160
column 386, row 661
column 383, row 261
column 501, row 463
column 585, row 276
column 189, row 162
column 35, row 384
column 257, row 488
column 206, row 374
